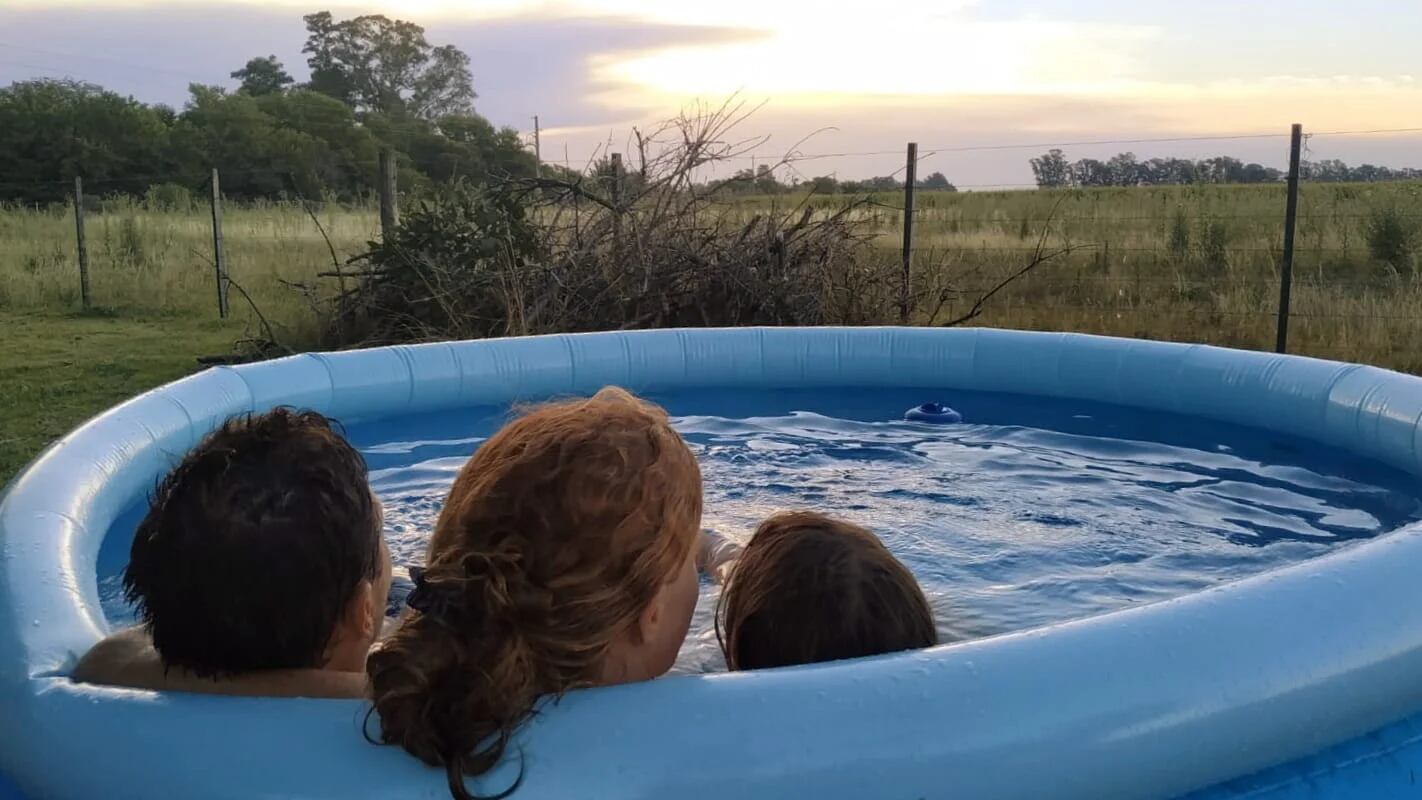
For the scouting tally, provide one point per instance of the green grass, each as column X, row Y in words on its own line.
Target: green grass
column 57, row 370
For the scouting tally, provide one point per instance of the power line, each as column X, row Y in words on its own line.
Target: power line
column 90, row 57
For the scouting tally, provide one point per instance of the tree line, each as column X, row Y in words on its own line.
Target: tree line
column 375, row 83
column 1053, row 170
column 763, row 180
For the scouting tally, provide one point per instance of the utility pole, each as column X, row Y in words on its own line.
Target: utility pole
column 537, row 149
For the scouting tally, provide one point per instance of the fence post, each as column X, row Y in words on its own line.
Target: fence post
column 218, row 262
column 79, row 236
column 910, row 178
column 389, row 199
column 1286, row 278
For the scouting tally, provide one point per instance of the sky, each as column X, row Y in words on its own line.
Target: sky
column 827, row 78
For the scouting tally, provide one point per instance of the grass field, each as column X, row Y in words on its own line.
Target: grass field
column 59, row 369
column 1177, row 263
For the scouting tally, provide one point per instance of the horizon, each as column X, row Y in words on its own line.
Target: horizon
column 992, row 78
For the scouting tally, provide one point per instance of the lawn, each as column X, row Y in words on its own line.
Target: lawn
column 57, row 370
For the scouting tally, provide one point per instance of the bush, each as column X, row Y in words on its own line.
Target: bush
column 1179, row 235
column 168, row 197
column 1214, row 245
column 564, row 254
column 1392, row 237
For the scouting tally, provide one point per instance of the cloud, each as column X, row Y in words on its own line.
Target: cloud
column 522, row 65
column 942, row 72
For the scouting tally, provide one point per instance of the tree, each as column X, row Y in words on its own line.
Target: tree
column 52, row 130
column 1090, row 172
column 373, row 63
column 1052, row 170
column 765, row 182
column 824, row 184
column 1123, row 170
column 937, row 181
column 263, row 76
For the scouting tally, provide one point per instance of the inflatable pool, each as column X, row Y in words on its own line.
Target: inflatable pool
column 1301, row 682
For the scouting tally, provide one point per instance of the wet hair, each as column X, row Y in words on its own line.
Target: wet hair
column 558, row 533
column 810, row 588
column 253, row 546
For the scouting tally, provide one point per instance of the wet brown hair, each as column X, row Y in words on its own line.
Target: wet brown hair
column 810, row 588
column 254, row 545
column 558, row 533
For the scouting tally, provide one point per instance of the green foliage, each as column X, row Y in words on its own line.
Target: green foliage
column 1179, row 239
column 270, row 145
column 52, row 130
column 1214, row 245
column 466, row 240
column 263, row 76
column 1051, row 170
column 376, row 82
column 373, row 63
column 1392, row 237
column 938, row 182
column 170, row 197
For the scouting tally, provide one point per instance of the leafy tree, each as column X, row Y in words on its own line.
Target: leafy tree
column 52, row 130
column 765, row 182
column 1123, row 170
column 263, row 76
column 1090, row 172
column 374, row 63
column 456, row 146
column 258, row 156
column 1052, row 170
column 937, row 181
column 824, row 184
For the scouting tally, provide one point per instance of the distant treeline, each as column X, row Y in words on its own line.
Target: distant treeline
column 1053, row 170
column 762, row 180
column 376, row 83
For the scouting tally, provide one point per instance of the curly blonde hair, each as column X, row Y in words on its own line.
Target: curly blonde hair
column 558, row 533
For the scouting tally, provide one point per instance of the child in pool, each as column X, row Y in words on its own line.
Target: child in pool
column 810, row 588
column 564, row 557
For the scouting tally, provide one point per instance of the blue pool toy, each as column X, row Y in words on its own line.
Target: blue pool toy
column 1302, row 682
column 935, row 413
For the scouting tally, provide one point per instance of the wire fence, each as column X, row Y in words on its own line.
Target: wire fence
column 1195, row 263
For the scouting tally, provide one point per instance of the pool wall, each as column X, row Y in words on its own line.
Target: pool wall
column 1148, row 702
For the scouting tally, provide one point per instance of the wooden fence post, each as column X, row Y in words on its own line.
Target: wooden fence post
column 905, row 284
column 218, row 262
column 1291, row 211
column 389, row 194
column 79, row 235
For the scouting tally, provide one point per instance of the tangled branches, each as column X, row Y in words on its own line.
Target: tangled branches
column 652, row 243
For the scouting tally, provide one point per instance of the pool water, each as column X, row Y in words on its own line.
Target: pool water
column 1030, row 512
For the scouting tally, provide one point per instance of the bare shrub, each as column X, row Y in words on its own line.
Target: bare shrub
column 646, row 242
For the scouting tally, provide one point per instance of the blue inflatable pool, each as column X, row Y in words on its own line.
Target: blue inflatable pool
column 1302, row 682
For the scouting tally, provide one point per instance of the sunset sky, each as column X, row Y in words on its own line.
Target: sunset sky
column 948, row 74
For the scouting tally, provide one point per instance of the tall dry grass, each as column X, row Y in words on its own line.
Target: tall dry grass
column 1183, row 263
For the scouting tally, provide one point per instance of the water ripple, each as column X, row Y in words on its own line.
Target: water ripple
column 1033, row 513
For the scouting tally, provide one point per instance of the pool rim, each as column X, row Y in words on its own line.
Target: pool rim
column 1348, row 667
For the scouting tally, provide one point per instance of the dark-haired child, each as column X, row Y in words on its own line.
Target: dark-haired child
column 811, row 588
column 260, row 568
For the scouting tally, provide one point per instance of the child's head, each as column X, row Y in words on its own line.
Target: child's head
column 810, row 588
column 262, row 550
column 563, row 558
